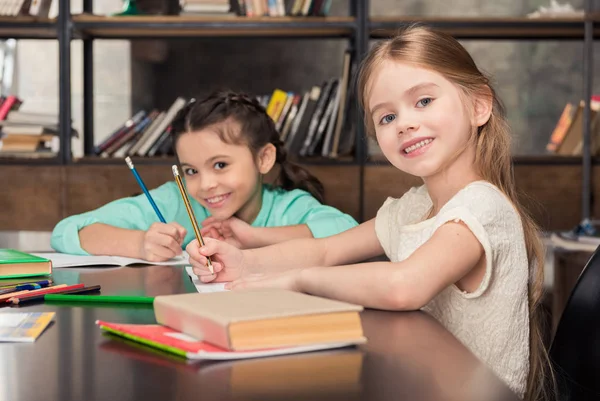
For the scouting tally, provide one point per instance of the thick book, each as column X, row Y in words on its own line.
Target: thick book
column 178, row 343
column 15, row 263
column 260, row 318
column 23, row 327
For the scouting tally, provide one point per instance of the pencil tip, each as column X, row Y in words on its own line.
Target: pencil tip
column 129, row 162
column 175, row 171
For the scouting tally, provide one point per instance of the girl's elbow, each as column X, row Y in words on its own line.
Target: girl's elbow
column 402, row 298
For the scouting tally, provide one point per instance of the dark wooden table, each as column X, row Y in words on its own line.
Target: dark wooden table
column 409, row 356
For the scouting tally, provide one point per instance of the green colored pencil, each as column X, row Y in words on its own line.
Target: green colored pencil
column 99, row 298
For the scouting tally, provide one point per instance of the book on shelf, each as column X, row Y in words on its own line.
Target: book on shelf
column 144, row 134
column 217, row 8
column 567, row 137
column 258, row 8
column 36, row 8
column 316, row 122
column 27, row 134
column 260, row 319
column 40, row 8
column 12, row 8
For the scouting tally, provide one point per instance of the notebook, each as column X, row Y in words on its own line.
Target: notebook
column 15, row 263
column 23, row 327
column 260, row 318
column 204, row 287
column 67, row 260
column 175, row 342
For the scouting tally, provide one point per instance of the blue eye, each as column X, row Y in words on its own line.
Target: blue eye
column 220, row 165
column 190, row 171
column 424, row 102
column 388, row 118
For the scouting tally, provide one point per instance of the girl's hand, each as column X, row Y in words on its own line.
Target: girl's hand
column 162, row 242
column 227, row 261
column 233, row 231
column 287, row 280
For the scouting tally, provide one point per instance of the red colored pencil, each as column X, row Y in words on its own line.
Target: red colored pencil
column 49, row 290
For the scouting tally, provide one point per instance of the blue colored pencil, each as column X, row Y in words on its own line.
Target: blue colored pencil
column 143, row 186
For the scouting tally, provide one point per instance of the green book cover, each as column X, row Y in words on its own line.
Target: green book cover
column 12, row 256
column 15, row 263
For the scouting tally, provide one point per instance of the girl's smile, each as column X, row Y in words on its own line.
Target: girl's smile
column 416, row 147
column 217, row 201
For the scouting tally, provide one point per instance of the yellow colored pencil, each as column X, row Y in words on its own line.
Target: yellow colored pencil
column 188, row 207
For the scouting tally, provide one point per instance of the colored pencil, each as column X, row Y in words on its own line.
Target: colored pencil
column 98, row 298
column 49, row 290
column 143, row 186
column 41, row 283
column 188, row 207
column 39, row 298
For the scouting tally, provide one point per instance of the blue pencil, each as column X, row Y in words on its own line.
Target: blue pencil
column 139, row 180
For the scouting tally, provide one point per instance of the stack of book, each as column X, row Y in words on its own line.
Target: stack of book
column 567, row 137
column 27, row 134
column 144, row 134
column 38, row 8
column 317, row 122
column 206, row 8
column 245, row 324
column 280, row 8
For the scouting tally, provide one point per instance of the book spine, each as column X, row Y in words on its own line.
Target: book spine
column 184, row 320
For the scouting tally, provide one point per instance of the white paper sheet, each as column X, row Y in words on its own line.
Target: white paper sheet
column 204, row 287
column 66, row 260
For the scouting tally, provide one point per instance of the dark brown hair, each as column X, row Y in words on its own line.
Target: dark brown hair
column 239, row 119
column 436, row 51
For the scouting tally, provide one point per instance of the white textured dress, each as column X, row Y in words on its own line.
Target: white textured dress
column 492, row 321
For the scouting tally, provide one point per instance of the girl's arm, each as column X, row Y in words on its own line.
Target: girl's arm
column 451, row 254
column 102, row 239
column 265, row 236
column 120, row 217
column 354, row 245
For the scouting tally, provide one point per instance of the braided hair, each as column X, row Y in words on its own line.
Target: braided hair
column 239, row 118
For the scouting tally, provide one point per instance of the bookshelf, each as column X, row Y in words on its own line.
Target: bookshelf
column 25, row 27
column 478, row 28
column 173, row 26
column 358, row 29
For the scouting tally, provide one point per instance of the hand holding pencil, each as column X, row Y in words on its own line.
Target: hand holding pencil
column 188, row 207
column 228, row 262
column 162, row 241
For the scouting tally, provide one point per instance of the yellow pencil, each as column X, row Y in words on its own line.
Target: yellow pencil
column 188, row 207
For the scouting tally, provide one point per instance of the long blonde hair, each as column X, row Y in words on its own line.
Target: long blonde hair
column 439, row 52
